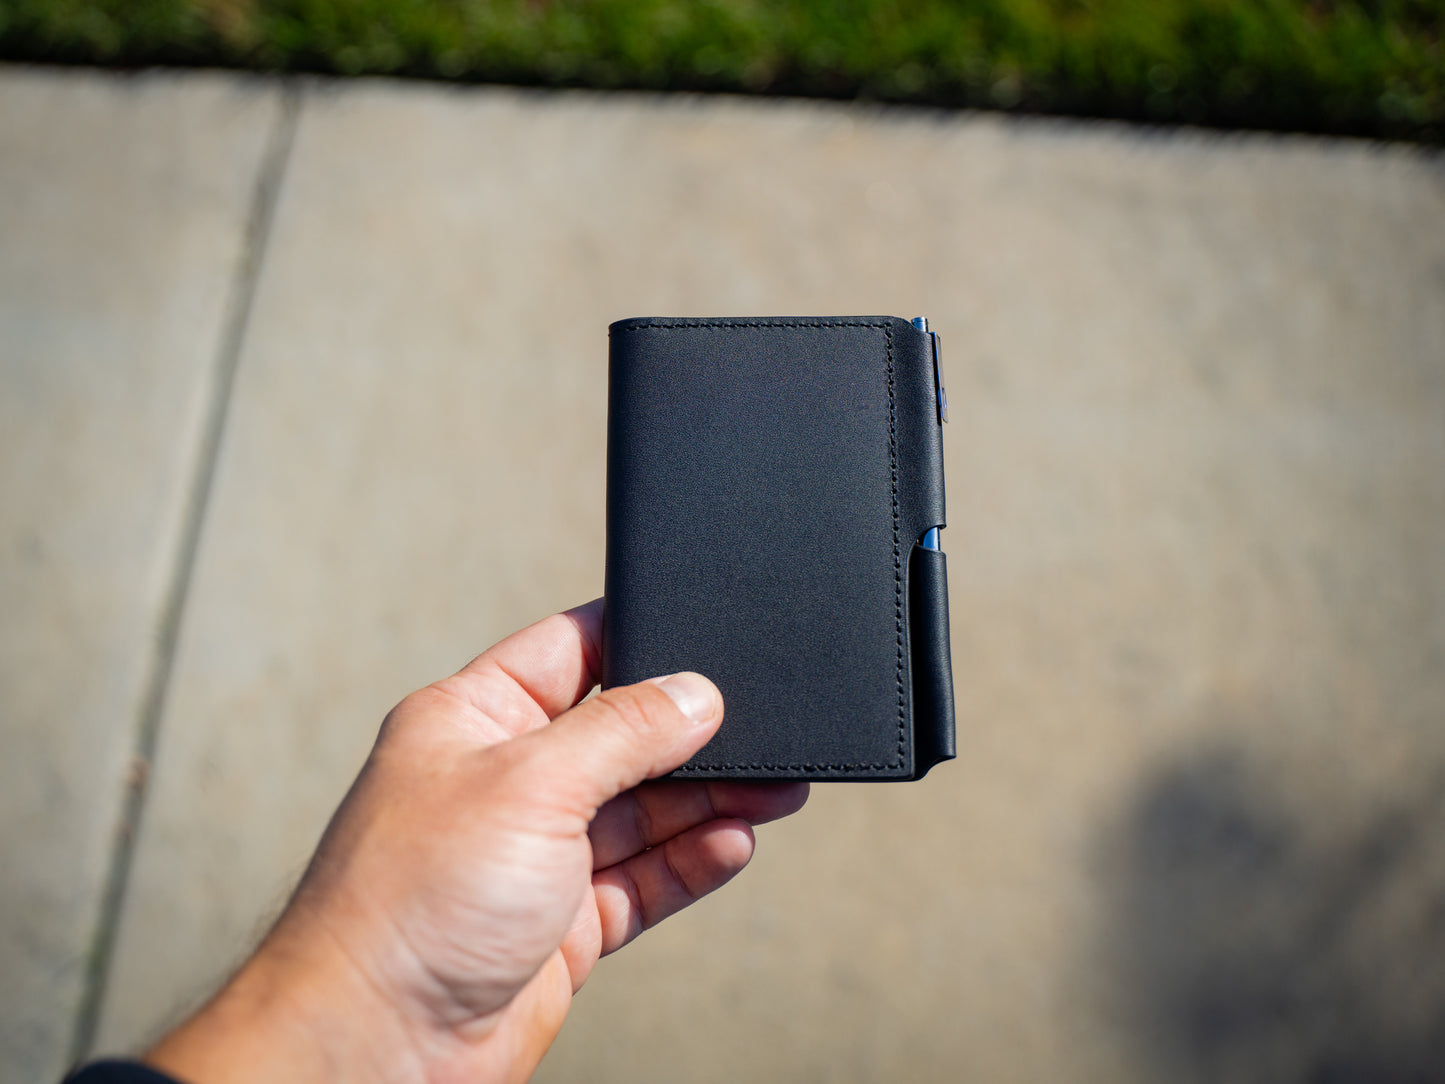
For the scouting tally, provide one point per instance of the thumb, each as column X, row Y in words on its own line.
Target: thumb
column 622, row 736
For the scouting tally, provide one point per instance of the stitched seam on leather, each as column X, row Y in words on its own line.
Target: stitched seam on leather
column 897, row 553
column 897, row 559
column 778, row 322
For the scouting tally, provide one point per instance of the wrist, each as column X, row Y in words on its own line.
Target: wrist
column 294, row 1013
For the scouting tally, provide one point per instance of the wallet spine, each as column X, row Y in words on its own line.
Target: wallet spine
column 921, row 488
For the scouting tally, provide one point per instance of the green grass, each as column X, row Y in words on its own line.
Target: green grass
column 1372, row 67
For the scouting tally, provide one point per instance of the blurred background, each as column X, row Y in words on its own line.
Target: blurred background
column 302, row 404
column 1372, row 67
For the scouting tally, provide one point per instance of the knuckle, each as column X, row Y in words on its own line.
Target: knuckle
column 642, row 822
column 678, row 878
column 637, row 903
column 410, row 717
column 637, row 708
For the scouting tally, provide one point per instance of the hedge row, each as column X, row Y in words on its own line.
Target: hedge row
column 1372, row 67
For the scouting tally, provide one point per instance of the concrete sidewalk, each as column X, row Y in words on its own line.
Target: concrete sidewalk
column 302, row 403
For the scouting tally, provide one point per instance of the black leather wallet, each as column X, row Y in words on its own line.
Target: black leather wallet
column 774, row 494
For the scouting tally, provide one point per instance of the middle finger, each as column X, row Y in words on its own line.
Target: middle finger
column 655, row 812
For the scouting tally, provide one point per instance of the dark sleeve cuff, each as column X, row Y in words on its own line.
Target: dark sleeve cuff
column 117, row 1072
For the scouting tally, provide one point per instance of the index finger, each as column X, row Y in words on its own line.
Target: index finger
column 536, row 674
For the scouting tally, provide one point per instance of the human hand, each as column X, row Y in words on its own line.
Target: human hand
column 495, row 845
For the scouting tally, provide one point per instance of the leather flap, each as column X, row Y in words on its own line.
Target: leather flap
column 767, row 481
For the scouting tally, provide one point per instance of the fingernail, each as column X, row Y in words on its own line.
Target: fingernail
column 692, row 693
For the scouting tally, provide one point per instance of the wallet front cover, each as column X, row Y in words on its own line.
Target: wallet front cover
column 768, row 484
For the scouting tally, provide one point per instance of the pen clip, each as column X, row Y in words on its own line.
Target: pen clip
column 921, row 323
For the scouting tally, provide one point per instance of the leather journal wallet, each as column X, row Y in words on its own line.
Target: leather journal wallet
column 774, row 494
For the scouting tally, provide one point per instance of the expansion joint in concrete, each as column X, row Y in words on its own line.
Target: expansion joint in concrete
column 267, row 189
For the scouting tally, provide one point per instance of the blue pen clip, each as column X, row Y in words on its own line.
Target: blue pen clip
column 921, row 323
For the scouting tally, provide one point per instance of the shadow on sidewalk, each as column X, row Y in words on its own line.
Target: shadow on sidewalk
column 1258, row 940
